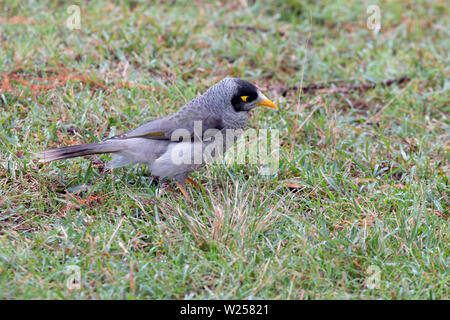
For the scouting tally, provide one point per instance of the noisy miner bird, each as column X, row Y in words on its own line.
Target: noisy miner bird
column 223, row 106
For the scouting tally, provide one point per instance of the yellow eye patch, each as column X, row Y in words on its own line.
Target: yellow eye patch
column 244, row 98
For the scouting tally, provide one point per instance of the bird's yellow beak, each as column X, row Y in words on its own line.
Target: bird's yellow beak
column 268, row 103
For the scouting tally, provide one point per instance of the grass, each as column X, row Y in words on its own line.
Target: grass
column 360, row 197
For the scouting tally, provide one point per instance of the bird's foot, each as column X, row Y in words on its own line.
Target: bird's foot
column 164, row 187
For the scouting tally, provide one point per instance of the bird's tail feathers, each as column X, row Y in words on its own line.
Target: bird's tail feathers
column 109, row 146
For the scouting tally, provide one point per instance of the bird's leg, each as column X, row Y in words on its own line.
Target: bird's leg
column 180, row 180
column 163, row 187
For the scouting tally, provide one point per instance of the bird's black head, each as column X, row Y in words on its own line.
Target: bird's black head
column 241, row 94
column 245, row 97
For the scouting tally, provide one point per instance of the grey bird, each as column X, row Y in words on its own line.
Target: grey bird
column 223, row 106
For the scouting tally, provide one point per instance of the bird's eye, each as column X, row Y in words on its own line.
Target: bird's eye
column 244, row 98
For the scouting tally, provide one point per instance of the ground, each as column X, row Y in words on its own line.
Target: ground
column 358, row 208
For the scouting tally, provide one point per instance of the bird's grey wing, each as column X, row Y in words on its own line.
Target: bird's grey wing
column 160, row 129
column 185, row 118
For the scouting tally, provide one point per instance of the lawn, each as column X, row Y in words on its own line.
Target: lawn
column 359, row 205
